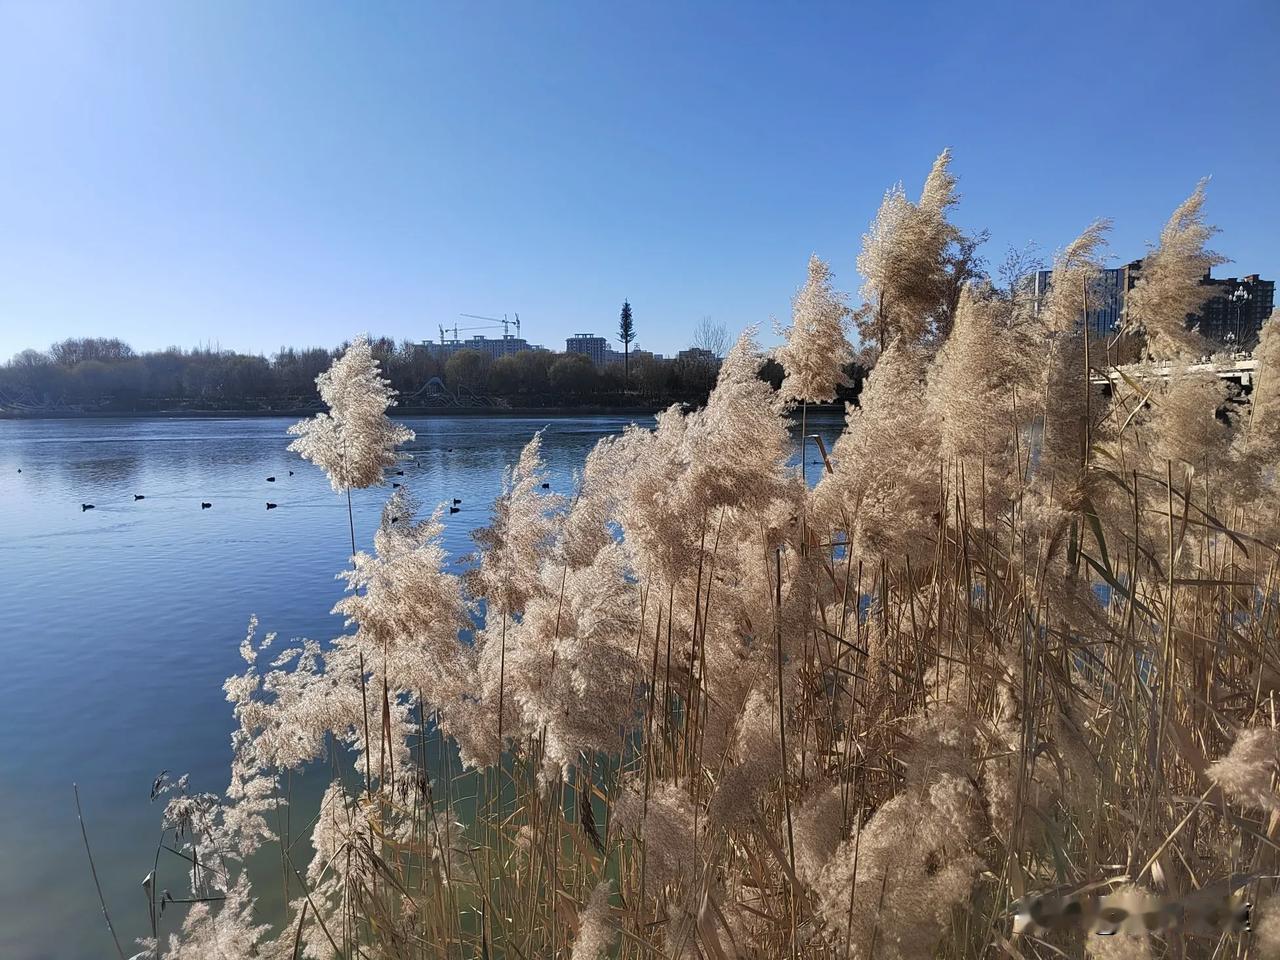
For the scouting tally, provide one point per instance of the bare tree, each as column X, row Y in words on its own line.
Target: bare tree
column 711, row 335
column 1017, row 270
column 28, row 359
column 961, row 265
column 75, row 350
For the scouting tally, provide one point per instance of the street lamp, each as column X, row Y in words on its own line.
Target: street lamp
column 1238, row 297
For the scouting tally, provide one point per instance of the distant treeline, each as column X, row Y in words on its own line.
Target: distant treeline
column 107, row 375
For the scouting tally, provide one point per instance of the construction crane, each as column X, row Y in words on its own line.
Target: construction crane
column 494, row 324
column 494, row 321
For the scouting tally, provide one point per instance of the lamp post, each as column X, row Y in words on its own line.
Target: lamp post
column 1238, row 297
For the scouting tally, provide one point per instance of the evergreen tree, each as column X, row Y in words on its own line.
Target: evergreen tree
column 626, row 333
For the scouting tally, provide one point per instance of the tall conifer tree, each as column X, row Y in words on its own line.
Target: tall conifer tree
column 626, row 333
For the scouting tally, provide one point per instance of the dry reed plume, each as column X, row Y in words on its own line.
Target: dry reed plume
column 1019, row 637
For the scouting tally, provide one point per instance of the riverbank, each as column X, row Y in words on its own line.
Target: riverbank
column 403, row 412
column 311, row 411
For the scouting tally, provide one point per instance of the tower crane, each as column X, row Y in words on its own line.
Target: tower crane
column 494, row 323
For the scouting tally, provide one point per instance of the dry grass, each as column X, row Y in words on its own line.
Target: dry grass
column 743, row 718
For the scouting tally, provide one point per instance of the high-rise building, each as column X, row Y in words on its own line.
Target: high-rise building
column 1106, row 296
column 589, row 345
column 1232, row 316
column 491, row 347
column 1236, row 310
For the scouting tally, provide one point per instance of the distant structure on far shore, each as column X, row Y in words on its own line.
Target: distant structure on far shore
column 1237, row 309
column 589, row 345
column 596, row 349
column 1232, row 316
column 698, row 355
column 491, row 347
column 599, row 352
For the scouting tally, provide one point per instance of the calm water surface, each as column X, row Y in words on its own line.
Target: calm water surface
column 119, row 624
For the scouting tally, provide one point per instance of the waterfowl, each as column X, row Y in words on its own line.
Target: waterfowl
column 395, row 486
column 456, row 501
column 291, row 473
column 139, row 496
column 271, row 479
column 85, row 506
column 546, row 486
column 270, row 505
column 453, row 509
column 399, row 473
column 205, row 506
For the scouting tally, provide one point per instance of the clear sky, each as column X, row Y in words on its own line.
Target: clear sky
column 253, row 174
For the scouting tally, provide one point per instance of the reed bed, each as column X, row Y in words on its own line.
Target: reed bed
column 1000, row 682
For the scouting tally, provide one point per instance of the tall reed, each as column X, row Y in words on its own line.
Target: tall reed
column 1017, row 644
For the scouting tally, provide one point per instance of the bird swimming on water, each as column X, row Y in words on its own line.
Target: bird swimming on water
column 139, row 496
column 395, row 486
column 270, row 505
column 456, row 501
column 204, row 505
column 85, row 506
column 271, row 479
column 291, row 473
column 453, row 509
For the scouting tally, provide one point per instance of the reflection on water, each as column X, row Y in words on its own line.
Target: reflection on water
column 119, row 624
column 100, row 472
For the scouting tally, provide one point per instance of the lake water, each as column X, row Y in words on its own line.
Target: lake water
column 119, row 624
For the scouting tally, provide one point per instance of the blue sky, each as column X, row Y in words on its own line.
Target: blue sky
column 257, row 174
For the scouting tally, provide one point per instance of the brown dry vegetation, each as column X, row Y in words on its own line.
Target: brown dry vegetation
column 1020, row 636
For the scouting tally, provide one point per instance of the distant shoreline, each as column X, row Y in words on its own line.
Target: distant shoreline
column 301, row 413
column 646, row 411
